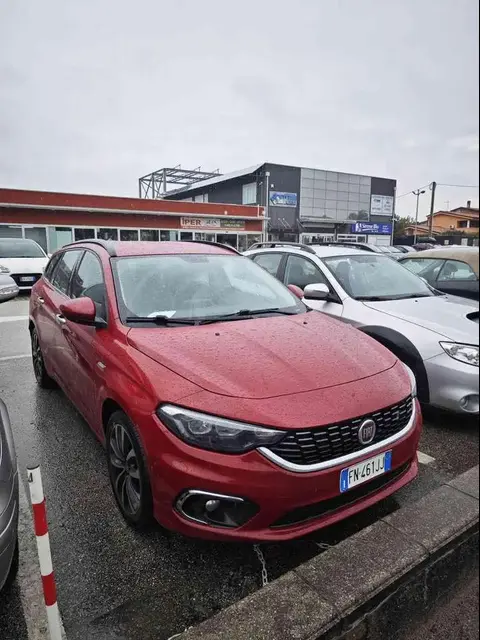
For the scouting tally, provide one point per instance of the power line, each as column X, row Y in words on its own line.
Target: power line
column 408, row 193
column 459, row 186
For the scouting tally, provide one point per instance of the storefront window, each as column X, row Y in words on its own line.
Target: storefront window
column 58, row 237
column 128, row 235
column 205, row 237
column 149, row 235
column 186, row 235
column 10, row 231
column 169, row 235
column 230, row 239
column 84, row 234
column 39, row 234
column 107, row 234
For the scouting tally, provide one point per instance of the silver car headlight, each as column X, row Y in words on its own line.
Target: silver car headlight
column 413, row 380
column 214, row 433
column 467, row 353
column 4, row 269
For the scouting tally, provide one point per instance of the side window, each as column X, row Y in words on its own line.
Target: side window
column 88, row 282
column 454, row 270
column 269, row 261
column 427, row 268
column 63, row 270
column 301, row 271
column 49, row 269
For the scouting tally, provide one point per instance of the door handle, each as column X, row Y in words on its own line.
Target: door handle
column 40, row 300
column 60, row 319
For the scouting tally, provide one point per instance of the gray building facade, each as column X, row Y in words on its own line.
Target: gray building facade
column 306, row 204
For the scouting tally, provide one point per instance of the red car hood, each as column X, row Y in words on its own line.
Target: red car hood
column 265, row 357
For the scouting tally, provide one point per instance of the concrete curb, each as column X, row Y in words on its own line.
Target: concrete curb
column 374, row 585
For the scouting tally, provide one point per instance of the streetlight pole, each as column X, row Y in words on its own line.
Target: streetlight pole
column 417, row 193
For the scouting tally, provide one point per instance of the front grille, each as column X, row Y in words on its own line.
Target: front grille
column 312, row 511
column 18, row 276
column 321, row 444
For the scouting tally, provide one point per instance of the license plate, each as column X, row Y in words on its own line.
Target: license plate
column 365, row 471
column 27, row 279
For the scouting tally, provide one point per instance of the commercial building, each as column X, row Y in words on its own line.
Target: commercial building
column 300, row 203
column 55, row 219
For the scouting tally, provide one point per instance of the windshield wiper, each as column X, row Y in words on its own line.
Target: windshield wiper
column 161, row 320
column 245, row 314
column 388, row 298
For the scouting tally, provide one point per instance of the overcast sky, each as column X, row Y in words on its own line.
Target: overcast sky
column 95, row 93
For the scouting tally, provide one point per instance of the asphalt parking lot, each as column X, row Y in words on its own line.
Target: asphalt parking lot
column 116, row 583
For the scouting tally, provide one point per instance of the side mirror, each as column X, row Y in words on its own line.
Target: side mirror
column 82, row 311
column 316, row 292
column 297, row 291
column 8, row 288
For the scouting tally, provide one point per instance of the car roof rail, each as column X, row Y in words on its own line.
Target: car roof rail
column 272, row 245
column 105, row 244
column 215, row 244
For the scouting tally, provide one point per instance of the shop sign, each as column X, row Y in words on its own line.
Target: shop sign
column 372, row 228
column 282, row 199
column 381, row 205
column 211, row 223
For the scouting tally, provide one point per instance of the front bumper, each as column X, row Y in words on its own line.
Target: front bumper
column 176, row 467
column 453, row 384
column 8, row 532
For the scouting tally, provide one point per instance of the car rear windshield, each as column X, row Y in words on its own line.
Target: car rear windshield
column 13, row 248
column 197, row 287
column 376, row 277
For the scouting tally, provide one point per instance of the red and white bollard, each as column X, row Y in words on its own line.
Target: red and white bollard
column 44, row 555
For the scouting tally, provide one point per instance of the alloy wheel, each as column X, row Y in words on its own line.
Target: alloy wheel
column 125, row 470
column 37, row 357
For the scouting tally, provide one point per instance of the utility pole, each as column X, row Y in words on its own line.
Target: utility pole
column 433, row 188
column 417, row 193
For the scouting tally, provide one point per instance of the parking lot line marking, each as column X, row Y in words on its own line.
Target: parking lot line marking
column 424, row 458
column 13, row 318
column 19, row 357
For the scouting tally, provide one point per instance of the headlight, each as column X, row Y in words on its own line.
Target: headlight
column 216, row 434
column 4, row 269
column 466, row 353
column 413, row 380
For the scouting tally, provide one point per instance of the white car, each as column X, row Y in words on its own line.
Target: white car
column 434, row 334
column 23, row 260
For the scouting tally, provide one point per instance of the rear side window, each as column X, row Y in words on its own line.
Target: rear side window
column 269, row 261
column 63, row 270
column 47, row 274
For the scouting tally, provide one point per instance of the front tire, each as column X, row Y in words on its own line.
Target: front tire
column 127, row 469
column 41, row 376
column 13, row 569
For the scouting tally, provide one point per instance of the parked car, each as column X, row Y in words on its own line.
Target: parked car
column 453, row 271
column 405, row 248
column 435, row 335
column 9, row 500
column 24, row 260
column 8, row 288
column 226, row 409
column 424, row 246
column 392, row 252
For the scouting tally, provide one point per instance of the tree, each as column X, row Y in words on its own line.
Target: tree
column 402, row 223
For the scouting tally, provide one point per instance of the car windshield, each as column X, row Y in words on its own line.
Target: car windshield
column 196, row 287
column 376, row 277
column 10, row 248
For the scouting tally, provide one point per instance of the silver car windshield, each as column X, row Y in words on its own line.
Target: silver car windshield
column 376, row 277
column 190, row 287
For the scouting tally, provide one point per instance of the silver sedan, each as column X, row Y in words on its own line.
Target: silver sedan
column 434, row 334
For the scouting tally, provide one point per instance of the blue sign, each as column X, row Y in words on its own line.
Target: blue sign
column 374, row 228
column 282, row 199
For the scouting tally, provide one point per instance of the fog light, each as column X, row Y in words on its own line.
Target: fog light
column 215, row 509
column 470, row 403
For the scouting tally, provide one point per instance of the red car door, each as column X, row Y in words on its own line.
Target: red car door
column 54, row 340
column 89, row 345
